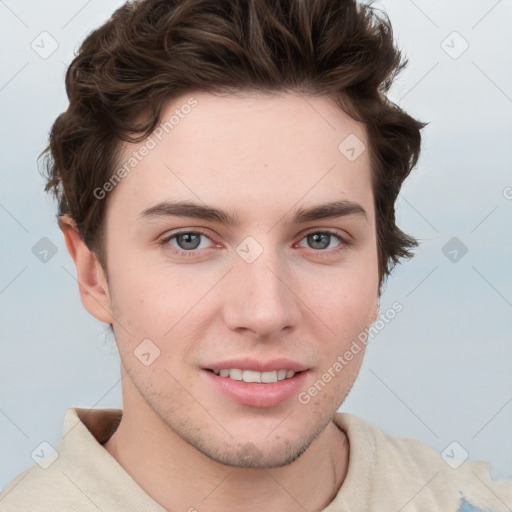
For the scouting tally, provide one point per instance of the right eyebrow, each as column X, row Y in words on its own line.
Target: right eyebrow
column 189, row 209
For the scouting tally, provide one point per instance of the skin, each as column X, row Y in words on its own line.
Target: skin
column 261, row 156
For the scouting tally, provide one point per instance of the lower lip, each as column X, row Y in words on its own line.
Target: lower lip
column 257, row 395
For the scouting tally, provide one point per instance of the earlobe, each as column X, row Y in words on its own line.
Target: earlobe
column 92, row 282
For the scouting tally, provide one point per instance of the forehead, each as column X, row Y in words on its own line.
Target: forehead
column 252, row 149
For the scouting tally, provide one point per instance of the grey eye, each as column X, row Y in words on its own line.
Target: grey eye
column 319, row 240
column 188, row 241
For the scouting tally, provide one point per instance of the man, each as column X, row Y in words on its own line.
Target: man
column 226, row 174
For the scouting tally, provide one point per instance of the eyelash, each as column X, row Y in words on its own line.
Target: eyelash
column 344, row 242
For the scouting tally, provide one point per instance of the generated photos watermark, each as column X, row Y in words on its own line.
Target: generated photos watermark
column 343, row 360
column 150, row 143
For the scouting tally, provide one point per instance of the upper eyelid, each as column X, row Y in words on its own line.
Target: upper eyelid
column 174, row 234
column 330, row 231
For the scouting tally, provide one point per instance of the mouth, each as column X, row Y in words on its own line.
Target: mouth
column 254, row 376
column 257, row 384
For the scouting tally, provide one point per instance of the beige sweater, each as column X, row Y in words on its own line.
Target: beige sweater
column 385, row 474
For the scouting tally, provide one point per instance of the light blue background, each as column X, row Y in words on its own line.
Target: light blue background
column 439, row 372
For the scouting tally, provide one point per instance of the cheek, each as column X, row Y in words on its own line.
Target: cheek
column 146, row 297
column 346, row 303
column 138, row 325
column 165, row 309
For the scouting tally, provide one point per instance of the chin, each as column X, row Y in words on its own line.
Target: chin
column 250, row 456
column 263, row 452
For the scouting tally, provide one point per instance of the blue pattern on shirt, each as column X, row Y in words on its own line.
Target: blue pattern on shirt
column 467, row 507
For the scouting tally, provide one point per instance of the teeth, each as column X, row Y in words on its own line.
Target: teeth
column 250, row 376
column 235, row 374
column 269, row 377
column 253, row 376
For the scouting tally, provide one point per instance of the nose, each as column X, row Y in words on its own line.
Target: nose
column 261, row 298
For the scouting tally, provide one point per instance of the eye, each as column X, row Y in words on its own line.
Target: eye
column 186, row 241
column 322, row 240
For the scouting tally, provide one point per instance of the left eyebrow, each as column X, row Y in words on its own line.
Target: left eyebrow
column 328, row 211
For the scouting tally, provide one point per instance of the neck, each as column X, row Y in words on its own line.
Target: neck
column 179, row 477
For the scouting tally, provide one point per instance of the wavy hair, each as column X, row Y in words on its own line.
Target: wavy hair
column 151, row 51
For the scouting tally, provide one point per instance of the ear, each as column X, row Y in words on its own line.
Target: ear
column 92, row 282
column 375, row 312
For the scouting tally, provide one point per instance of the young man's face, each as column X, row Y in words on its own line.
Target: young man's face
column 265, row 293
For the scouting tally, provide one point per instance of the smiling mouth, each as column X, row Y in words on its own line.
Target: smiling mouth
column 255, row 376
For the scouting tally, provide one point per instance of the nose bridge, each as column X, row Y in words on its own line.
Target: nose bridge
column 262, row 301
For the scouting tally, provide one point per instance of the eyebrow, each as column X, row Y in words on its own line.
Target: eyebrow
column 329, row 210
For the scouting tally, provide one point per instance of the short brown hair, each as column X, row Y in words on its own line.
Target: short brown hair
column 152, row 51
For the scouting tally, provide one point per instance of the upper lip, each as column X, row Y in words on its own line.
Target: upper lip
column 258, row 365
